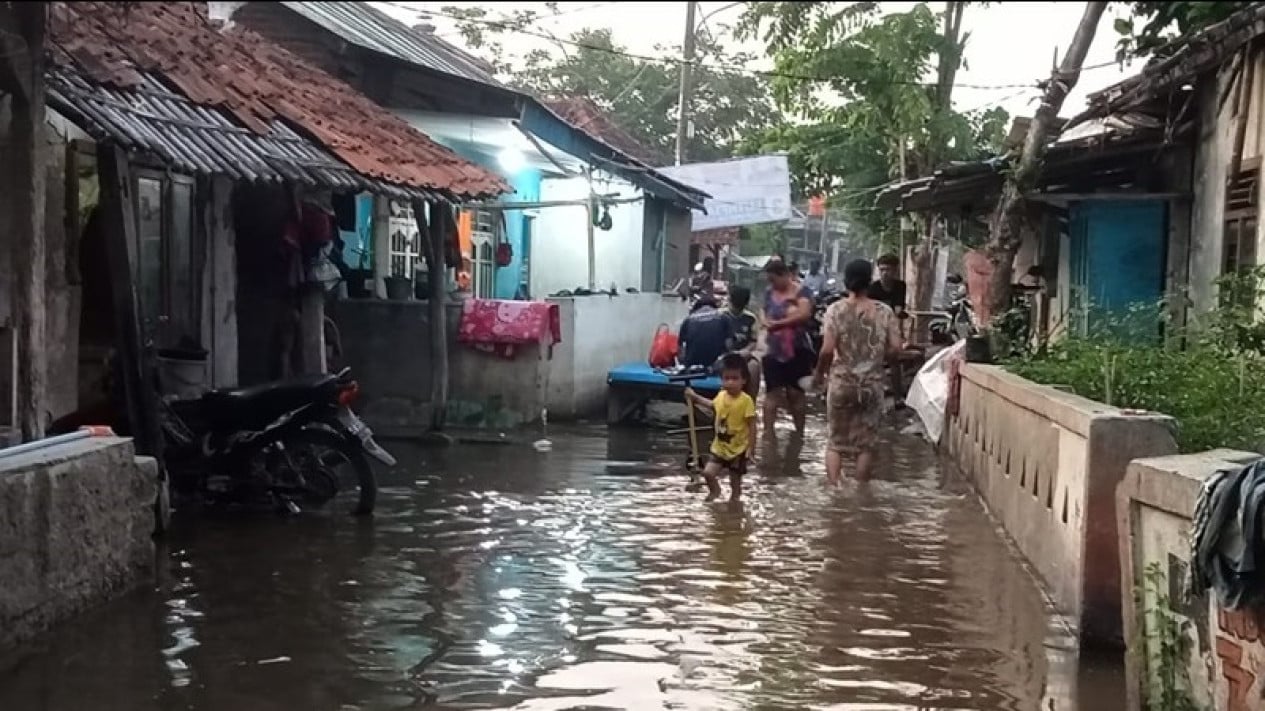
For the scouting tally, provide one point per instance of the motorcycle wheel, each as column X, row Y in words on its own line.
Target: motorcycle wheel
column 323, row 485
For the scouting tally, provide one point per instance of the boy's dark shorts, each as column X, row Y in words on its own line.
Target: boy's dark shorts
column 735, row 467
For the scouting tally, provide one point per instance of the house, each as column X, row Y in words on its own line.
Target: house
column 1209, row 97
column 1109, row 203
column 213, row 147
column 585, row 217
column 556, row 157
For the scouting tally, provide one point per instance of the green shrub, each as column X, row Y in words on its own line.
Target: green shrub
column 1210, row 376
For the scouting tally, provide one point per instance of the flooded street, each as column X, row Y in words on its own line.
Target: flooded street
column 495, row 576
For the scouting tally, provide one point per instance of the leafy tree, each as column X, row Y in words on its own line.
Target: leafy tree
column 854, row 80
column 640, row 93
column 1151, row 27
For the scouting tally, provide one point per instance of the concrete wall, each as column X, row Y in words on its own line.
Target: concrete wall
column 387, row 346
column 559, row 249
column 1214, row 145
column 598, row 333
column 75, row 530
column 1047, row 465
column 1154, row 504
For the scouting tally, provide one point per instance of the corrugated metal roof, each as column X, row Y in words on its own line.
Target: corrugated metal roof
column 160, row 77
column 174, row 132
column 364, row 26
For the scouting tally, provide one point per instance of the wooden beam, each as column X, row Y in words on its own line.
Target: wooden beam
column 139, row 381
column 1056, row 198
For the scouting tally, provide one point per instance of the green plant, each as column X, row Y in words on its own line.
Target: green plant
column 1209, row 374
column 1167, row 645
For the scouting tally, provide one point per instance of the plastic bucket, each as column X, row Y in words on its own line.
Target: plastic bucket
column 182, row 374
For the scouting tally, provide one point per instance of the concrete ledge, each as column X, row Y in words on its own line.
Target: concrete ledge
column 1154, row 504
column 76, row 525
column 1047, row 464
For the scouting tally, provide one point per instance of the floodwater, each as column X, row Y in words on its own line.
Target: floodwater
column 498, row 577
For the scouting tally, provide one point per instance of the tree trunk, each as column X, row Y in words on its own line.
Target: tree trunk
column 1008, row 219
column 923, row 264
column 23, row 26
column 433, row 236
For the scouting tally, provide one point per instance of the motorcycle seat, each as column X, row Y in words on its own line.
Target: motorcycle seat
column 267, row 399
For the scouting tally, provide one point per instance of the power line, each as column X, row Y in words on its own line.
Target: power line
column 524, row 22
column 508, row 26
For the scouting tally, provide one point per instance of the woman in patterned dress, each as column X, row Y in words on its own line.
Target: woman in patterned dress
column 861, row 335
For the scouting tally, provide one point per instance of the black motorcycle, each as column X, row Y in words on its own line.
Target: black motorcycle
column 958, row 320
column 278, row 444
column 822, row 300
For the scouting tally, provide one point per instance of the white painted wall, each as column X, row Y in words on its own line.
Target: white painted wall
column 599, row 333
column 559, row 249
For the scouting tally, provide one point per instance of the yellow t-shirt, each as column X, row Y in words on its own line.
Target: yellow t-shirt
column 733, row 413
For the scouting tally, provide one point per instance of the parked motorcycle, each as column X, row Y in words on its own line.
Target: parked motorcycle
column 958, row 321
column 285, row 444
column 278, row 443
column 829, row 294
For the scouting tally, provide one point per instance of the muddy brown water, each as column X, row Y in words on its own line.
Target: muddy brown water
column 498, row 577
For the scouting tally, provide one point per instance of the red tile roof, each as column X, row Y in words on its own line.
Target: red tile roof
column 258, row 83
column 582, row 113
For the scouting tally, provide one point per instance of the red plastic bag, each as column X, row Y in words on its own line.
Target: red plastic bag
column 664, row 347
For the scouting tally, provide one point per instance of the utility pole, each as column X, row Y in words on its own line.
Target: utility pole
column 687, row 70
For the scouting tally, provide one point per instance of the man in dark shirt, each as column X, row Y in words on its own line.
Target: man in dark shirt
column 887, row 288
column 704, row 334
column 744, row 335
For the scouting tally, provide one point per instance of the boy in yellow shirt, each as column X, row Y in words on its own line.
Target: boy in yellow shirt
column 735, row 429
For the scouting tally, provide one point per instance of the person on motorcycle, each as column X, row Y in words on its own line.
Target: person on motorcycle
column 816, row 278
column 744, row 335
column 701, row 282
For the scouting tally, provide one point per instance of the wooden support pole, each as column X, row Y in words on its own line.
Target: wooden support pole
column 22, row 57
column 433, row 233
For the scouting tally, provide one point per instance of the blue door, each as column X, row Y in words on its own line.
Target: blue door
column 1117, row 260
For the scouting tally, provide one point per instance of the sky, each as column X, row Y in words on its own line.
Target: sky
column 1010, row 43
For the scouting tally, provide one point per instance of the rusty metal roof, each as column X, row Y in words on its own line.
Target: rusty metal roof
column 364, row 26
column 589, row 117
column 160, row 78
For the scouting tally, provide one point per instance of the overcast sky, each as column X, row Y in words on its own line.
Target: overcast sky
column 1010, row 43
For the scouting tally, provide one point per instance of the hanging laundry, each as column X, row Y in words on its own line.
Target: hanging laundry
column 1228, row 537
column 502, row 327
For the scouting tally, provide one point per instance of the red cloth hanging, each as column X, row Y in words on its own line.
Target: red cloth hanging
column 502, row 327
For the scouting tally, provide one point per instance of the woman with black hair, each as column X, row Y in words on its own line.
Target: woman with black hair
column 861, row 336
column 788, row 307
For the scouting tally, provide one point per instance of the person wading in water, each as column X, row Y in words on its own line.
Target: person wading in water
column 861, row 336
column 788, row 306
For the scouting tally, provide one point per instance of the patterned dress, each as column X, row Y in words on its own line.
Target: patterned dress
column 864, row 332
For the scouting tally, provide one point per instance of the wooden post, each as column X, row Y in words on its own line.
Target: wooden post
column 433, row 233
column 312, row 327
column 120, row 236
column 22, row 30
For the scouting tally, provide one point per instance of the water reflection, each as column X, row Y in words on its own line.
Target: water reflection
column 584, row 577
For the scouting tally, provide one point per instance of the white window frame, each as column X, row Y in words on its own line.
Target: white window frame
column 404, row 252
column 484, row 238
